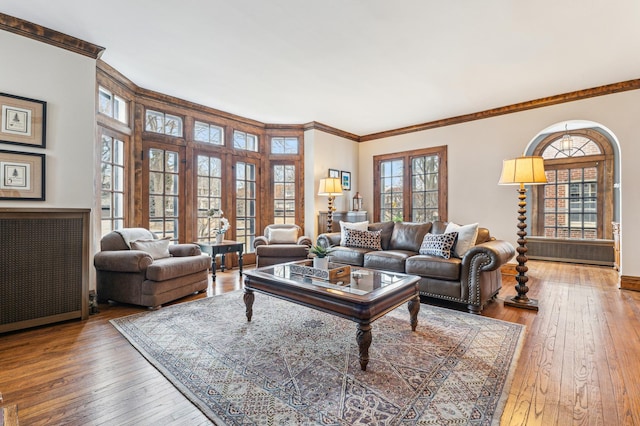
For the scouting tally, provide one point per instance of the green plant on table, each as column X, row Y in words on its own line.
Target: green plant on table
column 320, row 251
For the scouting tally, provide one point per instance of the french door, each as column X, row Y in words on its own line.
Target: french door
column 163, row 189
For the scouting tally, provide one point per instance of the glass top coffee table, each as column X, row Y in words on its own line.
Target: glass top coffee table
column 357, row 294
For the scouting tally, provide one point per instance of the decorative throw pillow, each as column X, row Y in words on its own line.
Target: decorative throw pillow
column 438, row 244
column 360, row 226
column 467, row 236
column 283, row 236
column 158, row 249
column 363, row 239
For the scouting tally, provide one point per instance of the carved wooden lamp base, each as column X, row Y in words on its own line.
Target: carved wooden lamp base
column 521, row 300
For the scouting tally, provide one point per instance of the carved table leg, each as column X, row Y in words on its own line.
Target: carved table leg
column 249, row 297
column 414, row 308
column 363, row 337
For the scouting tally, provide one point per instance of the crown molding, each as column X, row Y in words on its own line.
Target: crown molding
column 509, row 109
column 314, row 125
column 49, row 36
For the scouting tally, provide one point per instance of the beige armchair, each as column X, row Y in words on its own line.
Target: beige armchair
column 136, row 267
column 281, row 243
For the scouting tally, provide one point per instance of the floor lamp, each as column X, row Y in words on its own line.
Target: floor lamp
column 522, row 171
column 330, row 187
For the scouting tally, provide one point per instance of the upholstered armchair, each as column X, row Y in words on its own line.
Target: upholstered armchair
column 136, row 267
column 281, row 243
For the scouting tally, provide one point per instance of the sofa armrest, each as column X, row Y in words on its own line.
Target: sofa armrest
column 183, row 250
column 122, row 260
column 305, row 241
column 496, row 253
column 260, row 241
column 329, row 239
column 482, row 258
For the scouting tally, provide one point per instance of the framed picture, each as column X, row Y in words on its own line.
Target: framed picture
column 346, row 181
column 334, row 173
column 22, row 176
column 23, row 121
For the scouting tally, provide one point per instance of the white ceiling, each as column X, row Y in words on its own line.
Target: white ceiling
column 362, row 66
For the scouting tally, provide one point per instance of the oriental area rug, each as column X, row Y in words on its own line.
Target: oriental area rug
column 294, row 365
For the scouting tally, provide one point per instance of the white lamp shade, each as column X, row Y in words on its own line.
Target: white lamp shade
column 523, row 171
column 330, row 187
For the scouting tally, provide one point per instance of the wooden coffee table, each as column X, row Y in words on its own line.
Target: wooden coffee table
column 363, row 296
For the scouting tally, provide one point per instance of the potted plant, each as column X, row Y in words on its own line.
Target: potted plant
column 320, row 253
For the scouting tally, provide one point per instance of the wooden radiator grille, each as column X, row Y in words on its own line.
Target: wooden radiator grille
column 42, row 262
column 594, row 252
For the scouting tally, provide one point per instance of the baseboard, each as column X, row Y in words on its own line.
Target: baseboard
column 628, row 282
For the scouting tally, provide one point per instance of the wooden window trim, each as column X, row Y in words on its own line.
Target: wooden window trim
column 407, row 157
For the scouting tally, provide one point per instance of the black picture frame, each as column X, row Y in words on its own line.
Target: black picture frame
column 333, row 173
column 22, row 176
column 23, row 121
column 345, row 177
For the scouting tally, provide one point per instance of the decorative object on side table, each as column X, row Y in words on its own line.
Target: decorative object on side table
column 320, row 253
column 330, row 187
column 219, row 222
column 522, row 171
column 357, row 202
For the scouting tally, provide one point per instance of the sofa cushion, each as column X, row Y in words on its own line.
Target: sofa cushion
column 438, row 244
column 408, row 235
column 387, row 260
column 173, row 267
column 283, row 235
column 360, row 226
column 158, row 249
column 386, row 229
column 434, row 267
column 362, row 239
column 348, row 255
column 283, row 250
column 467, row 235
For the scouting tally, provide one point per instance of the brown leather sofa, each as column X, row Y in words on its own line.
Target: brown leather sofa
column 281, row 243
column 134, row 276
column 472, row 279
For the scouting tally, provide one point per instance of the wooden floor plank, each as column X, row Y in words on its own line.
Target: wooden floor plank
column 579, row 362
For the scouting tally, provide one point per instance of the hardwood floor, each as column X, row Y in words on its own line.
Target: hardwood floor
column 580, row 363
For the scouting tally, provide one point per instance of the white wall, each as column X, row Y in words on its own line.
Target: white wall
column 322, row 152
column 67, row 82
column 476, row 150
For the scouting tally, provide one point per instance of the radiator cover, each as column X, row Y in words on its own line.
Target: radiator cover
column 593, row 252
column 44, row 266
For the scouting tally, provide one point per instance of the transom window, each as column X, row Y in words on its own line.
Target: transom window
column 284, row 145
column 410, row 186
column 208, row 133
column 245, row 141
column 112, row 105
column 159, row 122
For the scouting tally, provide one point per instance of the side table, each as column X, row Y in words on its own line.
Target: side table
column 227, row 246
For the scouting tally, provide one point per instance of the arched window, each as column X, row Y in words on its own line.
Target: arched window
column 577, row 201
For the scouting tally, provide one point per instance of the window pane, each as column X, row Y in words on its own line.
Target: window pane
column 104, row 102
